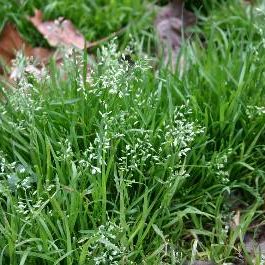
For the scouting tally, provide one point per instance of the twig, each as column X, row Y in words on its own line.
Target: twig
column 105, row 39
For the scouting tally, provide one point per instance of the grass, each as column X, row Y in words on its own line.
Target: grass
column 96, row 19
column 131, row 166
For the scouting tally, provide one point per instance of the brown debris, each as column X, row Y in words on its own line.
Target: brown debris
column 235, row 222
column 170, row 25
column 254, row 240
column 41, row 55
column 255, row 245
column 60, row 32
column 11, row 42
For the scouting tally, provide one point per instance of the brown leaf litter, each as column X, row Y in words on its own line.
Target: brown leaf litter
column 171, row 24
column 59, row 32
column 254, row 240
column 11, row 42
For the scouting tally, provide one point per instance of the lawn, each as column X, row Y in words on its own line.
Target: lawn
column 131, row 163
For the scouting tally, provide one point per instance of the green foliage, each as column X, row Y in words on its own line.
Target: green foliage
column 127, row 166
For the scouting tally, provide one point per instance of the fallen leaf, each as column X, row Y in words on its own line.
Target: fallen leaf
column 254, row 245
column 11, row 42
column 60, row 32
column 170, row 24
column 255, row 242
column 41, row 55
column 235, row 220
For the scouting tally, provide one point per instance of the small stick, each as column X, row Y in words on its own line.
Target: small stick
column 99, row 42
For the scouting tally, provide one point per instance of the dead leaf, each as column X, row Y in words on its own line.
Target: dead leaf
column 235, row 220
column 41, row 55
column 11, row 42
column 60, row 32
column 254, row 239
column 170, row 24
column 255, row 242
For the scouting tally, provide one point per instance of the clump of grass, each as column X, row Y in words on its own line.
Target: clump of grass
column 126, row 166
column 92, row 152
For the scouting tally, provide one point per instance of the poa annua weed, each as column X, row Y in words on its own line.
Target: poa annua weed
column 14, row 174
column 110, row 143
column 255, row 111
column 106, row 247
column 116, row 74
column 218, row 166
column 138, row 151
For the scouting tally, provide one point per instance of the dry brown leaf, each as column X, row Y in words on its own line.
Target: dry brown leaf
column 60, row 32
column 170, row 23
column 235, row 220
column 41, row 55
column 255, row 245
column 11, row 42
